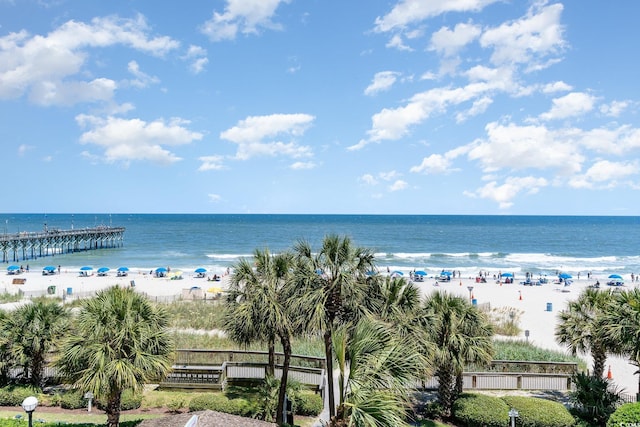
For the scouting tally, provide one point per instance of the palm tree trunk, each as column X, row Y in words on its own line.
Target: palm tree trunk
column 113, row 410
column 599, row 360
column 328, row 354
column 458, row 387
column 271, row 368
column 286, row 347
column 445, row 388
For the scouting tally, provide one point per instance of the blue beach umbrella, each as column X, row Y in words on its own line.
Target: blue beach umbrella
column 420, row 273
column 103, row 269
column 49, row 268
column 397, row 273
column 123, row 269
column 161, row 270
column 201, row 270
column 445, row 273
column 615, row 276
column 507, row 274
column 86, row 268
column 13, row 268
column 565, row 276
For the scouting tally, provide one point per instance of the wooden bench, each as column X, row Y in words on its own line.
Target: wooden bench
column 17, row 281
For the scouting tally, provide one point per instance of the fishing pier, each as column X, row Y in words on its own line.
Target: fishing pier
column 31, row 245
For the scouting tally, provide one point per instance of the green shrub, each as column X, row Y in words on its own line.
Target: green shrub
column 219, row 402
column 14, row 395
column 627, row 413
column 479, row 410
column 536, row 412
column 176, row 403
column 211, row 401
column 307, row 403
column 72, row 399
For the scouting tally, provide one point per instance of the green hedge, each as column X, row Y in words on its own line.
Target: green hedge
column 14, row 395
column 308, row 404
column 480, row 410
column 535, row 412
column 627, row 413
column 73, row 399
column 219, row 402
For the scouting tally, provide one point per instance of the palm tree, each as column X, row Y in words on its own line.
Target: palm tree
column 257, row 309
column 6, row 340
column 331, row 286
column 121, row 342
column 581, row 326
column 622, row 326
column 460, row 334
column 33, row 329
column 376, row 368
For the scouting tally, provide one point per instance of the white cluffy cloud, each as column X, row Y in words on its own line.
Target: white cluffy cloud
column 532, row 42
column 257, row 136
column 134, row 139
column 408, row 12
column 48, row 68
column 242, row 16
column 382, row 81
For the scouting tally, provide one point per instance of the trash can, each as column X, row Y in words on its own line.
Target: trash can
column 132, row 283
column 69, row 291
column 51, row 290
column 549, row 306
column 474, row 301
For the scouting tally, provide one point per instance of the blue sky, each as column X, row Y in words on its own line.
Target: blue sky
column 320, row 106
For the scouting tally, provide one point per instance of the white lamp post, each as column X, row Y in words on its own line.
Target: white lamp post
column 89, row 396
column 513, row 414
column 29, row 405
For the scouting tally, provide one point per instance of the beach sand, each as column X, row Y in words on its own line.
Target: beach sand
column 533, row 301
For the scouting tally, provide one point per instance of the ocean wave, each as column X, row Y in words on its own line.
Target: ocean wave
column 228, row 256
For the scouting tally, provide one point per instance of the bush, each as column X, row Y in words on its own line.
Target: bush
column 14, row 395
column 176, row 403
column 627, row 413
column 594, row 398
column 308, row 404
column 219, row 402
column 536, row 412
column 479, row 410
column 72, row 399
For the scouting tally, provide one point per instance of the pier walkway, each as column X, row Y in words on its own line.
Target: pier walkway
column 30, row 245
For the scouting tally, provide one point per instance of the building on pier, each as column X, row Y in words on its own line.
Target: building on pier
column 27, row 245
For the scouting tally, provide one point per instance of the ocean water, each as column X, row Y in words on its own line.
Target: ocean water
column 469, row 244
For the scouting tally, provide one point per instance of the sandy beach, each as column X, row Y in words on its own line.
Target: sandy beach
column 539, row 304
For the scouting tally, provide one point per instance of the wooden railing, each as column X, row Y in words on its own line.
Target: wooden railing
column 194, row 357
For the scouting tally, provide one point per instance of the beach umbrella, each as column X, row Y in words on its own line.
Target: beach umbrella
column 86, row 268
column 201, row 270
column 420, row 273
column 13, row 268
column 565, row 276
column 49, row 268
column 123, row 269
column 161, row 270
column 103, row 269
column 615, row 276
column 507, row 274
column 445, row 273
